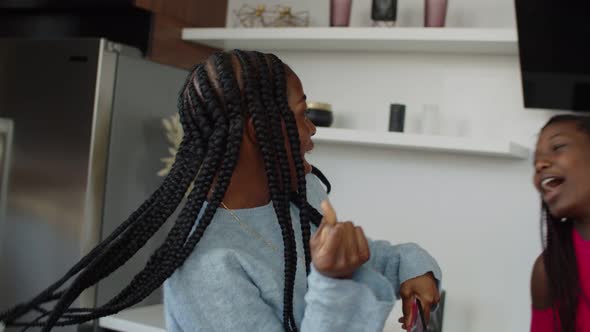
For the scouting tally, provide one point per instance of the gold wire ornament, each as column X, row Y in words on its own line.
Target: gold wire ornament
column 275, row 16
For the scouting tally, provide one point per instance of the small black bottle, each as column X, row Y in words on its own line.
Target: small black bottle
column 397, row 114
column 384, row 12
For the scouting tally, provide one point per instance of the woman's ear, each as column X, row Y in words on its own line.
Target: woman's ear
column 250, row 131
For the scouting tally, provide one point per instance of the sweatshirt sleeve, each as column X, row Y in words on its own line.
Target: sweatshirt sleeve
column 362, row 303
column 402, row 262
column 397, row 263
column 220, row 296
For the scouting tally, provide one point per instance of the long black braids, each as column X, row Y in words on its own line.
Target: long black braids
column 278, row 71
column 166, row 259
column 559, row 254
column 178, row 234
column 562, row 271
column 126, row 245
column 176, row 248
column 212, row 113
column 51, row 293
column 308, row 214
column 267, row 93
column 264, row 136
column 141, row 220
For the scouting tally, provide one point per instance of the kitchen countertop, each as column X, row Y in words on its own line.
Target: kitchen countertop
column 142, row 319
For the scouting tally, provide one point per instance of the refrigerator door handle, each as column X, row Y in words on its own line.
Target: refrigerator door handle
column 6, row 132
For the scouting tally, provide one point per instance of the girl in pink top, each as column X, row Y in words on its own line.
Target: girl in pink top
column 560, row 284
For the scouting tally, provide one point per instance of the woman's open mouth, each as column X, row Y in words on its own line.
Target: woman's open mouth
column 551, row 187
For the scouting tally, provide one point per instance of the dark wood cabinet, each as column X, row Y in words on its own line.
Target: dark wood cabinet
column 169, row 17
column 152, row 26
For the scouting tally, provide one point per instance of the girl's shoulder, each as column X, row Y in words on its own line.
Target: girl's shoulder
column 540, row 295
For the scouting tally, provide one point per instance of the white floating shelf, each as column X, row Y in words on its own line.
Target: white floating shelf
column 457, row 145
column 432, row 40
column 143, row 319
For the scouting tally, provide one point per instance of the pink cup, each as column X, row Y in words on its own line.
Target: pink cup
column 340, row 13
column 435, row 12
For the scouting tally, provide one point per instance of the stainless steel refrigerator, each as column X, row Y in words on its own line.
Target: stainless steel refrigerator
column 81, row 141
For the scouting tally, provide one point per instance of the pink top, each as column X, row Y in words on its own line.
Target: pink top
column 542, row 320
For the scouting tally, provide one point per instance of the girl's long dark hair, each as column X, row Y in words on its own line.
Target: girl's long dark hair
column 559, row 255
column 216, row 100
column 562, row 271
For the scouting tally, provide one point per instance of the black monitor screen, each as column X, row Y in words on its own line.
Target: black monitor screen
column 554, row 46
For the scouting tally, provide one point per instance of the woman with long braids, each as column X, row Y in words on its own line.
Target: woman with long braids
column 249, row 250
column 560, row 284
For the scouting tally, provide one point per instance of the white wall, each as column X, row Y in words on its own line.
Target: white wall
column 478, row 216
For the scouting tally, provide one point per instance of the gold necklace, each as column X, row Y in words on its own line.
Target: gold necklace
column 254, row 233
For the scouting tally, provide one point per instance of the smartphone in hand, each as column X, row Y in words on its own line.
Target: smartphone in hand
column 418, row 324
